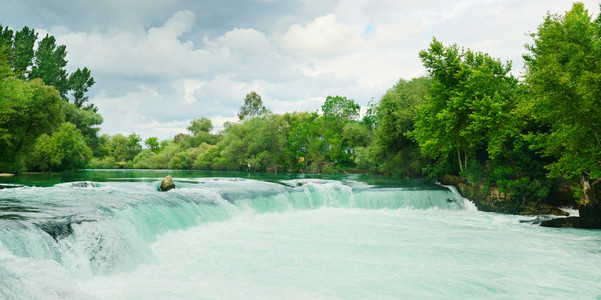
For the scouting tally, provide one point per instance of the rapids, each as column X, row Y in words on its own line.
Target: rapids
column 279, row 237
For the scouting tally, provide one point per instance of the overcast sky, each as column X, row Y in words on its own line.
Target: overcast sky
column 160, row 64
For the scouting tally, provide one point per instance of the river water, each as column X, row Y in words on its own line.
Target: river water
column 225, row 235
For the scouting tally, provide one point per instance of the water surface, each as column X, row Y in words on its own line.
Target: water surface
column 223, row 235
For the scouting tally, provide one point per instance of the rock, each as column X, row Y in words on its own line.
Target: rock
column 590, row 216
column 569, row 222
column 83, row 184
column 167, row 184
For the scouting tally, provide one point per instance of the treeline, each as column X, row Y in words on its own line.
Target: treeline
column 40, row 129
column 329, row 142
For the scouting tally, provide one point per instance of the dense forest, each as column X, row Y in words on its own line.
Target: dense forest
column 470, row 116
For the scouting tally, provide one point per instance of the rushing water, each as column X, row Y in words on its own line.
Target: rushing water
column 241, row 236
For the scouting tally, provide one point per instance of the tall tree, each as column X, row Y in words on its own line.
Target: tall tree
column 49, row 65
column 22, row 51
column 253, row 107
column 80, row 82
column 563, row 71
column 468, row 104
column 6, row 38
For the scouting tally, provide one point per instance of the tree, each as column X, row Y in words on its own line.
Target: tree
column 49, row 65
column 133, row 146
column 27, row 110
column 563, row 71
column 6, row 38
column 468, row 105
column 153, row 144
column 80, row 82
column 338, row 112
column 22, row 51
column 393, row 149
column 252, row 108
column 200, row 125
column 87, row 121
column 65, row 149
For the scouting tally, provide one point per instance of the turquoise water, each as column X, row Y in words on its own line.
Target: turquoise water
column 265, row 236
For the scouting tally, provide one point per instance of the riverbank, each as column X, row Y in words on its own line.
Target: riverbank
column 492, row 199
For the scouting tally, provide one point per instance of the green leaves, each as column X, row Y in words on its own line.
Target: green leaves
column 49, row 65
column 65, row 149
column 563, row 69
column 80, row 82
column 468, row 105
column 253, row 107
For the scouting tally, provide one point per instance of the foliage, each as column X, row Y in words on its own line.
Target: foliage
column 80, row 82
column 563, row 71
column 468, row 106
column 28, row 110
column 49, row 65
column 87, row 121
column 393, row 149
column 65, row 149
column 198, row 126
column 252, row 108
column 153, row 144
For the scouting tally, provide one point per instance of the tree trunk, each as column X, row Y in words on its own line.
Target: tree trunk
column 587, row 191
column 459, row 157
column 590, row 209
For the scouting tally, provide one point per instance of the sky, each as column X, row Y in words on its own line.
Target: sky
column 160, row 64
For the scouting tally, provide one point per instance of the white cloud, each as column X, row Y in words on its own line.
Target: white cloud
column 154, row 79
column 324, row 35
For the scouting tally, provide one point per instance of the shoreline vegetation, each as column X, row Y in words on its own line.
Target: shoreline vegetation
column 514, row 145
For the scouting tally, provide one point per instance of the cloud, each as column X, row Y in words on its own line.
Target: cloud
column 324, row 35
column 160, row 64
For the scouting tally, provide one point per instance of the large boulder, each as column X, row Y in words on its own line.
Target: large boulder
column 167, row 184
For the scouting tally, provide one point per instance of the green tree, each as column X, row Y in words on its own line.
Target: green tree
column 6, row 39
column 253, row 107
column 133, row 146
column 153, row 144
column 80, row 82
column 49, row 65
column 28, row 110
column 468, row 106
column 200, row 125
column 563, row 71
column 393, row 150
column 22, row 51
column 65, row 149
column 87, row 121
column 338, row 112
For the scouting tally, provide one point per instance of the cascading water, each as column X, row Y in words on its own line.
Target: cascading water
column 237, row 238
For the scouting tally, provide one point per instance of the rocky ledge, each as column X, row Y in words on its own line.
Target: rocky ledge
column 491, row 199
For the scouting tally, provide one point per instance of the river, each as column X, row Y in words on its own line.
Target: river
column 228, row 235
